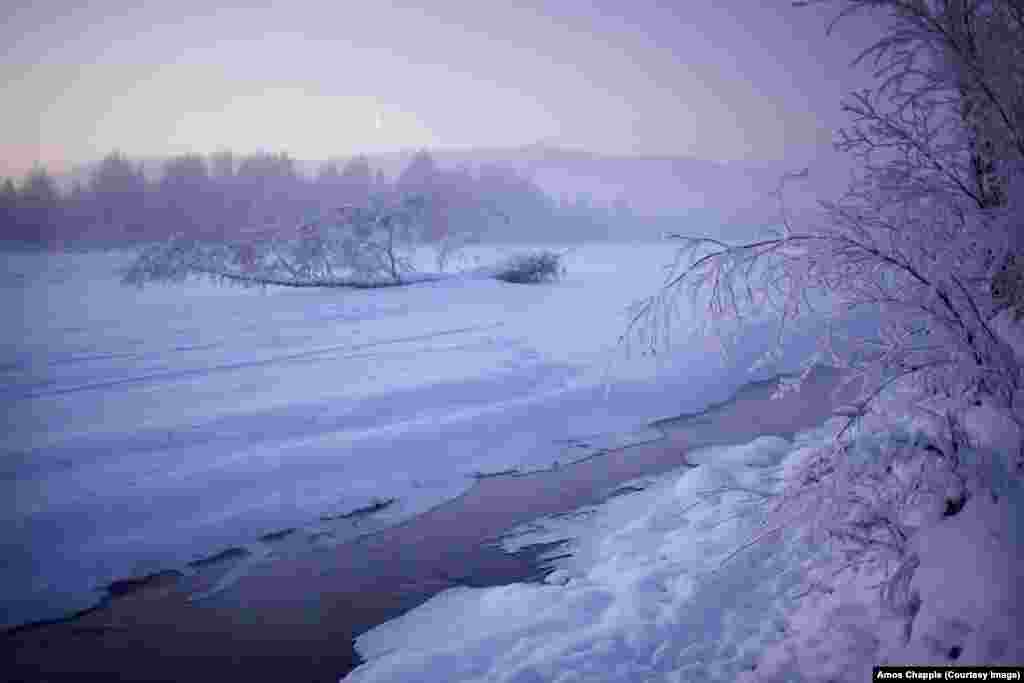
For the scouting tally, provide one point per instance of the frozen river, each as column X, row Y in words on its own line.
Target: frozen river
column 147, row 429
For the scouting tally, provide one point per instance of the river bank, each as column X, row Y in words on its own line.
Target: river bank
column 292, row 616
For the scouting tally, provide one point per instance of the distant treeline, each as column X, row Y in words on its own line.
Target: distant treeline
column 227, row 197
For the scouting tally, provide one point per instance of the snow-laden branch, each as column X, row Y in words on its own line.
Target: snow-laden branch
column 928, row 239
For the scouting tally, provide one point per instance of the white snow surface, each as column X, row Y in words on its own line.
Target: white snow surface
column 654, row 591
column 143, row 429
column 684, row 582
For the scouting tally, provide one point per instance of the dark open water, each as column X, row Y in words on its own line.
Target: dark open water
column 294, row 619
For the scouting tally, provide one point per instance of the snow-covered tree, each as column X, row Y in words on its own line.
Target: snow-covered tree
column 183, row 195
column 458, row 207
column 38, row 207
column 352, row 246
column 8, row 210
column 930, row 239
column 269, row 192
column 118, row 191
column 357, row 179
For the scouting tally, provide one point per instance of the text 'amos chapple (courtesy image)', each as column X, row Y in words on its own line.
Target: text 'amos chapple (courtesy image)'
column 947, row 673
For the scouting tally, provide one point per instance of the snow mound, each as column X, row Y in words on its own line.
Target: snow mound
column 970, row 587
column 765, row 450
column 966, row 606
column 659, row 588
column 684, row 580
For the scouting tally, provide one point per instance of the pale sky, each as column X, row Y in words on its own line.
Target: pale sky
column 715, row 79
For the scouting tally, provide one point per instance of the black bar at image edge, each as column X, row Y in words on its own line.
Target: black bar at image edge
column 947, row 673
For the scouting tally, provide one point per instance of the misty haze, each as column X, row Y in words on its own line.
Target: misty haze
column 471, row 342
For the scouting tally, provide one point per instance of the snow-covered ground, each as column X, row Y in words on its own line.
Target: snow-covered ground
column 144, row 429
column 684, row 581
column 699, row 576
column 646, row 596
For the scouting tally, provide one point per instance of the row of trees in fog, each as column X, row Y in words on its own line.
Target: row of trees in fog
column 226, row 196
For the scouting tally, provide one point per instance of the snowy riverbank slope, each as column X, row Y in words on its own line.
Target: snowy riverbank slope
column 667, row 584
column 693, row 579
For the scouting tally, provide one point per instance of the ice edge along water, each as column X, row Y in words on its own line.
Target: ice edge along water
column 680, row 579
column 146, row 429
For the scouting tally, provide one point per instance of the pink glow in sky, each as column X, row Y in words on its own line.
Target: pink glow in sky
column 717, row 79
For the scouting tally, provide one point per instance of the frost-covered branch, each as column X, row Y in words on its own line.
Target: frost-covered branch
column 929, row 241
column 928, row 236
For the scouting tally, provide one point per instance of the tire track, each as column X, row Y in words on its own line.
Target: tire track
column 226, row 367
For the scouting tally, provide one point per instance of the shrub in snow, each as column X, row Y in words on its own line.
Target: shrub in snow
column 539, row 266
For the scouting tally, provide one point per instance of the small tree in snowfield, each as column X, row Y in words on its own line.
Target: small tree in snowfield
column 361, row 247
